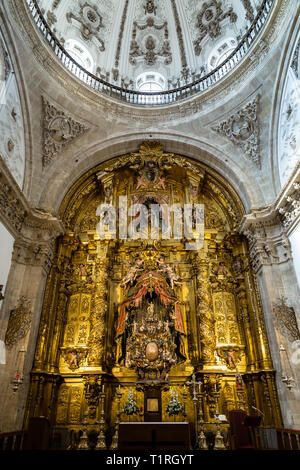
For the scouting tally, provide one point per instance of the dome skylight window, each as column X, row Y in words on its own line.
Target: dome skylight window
column 221, row 52
column 150, row 82
column 80, row 54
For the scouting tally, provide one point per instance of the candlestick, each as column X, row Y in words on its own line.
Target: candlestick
column 101, row 444
column 114, row 444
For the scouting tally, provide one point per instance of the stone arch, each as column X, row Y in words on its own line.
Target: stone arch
column 87, row 185
column 286, row 59
column 60, row 180
column 12, row 50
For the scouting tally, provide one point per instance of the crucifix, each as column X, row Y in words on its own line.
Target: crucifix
column 194, row 383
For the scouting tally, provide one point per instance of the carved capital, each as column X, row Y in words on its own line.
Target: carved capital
column 33, row 253
column 289, row 204
column 13, row 207
column 268, row 242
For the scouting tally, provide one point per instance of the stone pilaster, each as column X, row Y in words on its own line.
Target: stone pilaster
column 271, row 259
column 31, row 261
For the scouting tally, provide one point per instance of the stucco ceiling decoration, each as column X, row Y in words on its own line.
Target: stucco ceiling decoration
column 209, row 21
column 91, row 22
column 154, row 46
column 174, row 38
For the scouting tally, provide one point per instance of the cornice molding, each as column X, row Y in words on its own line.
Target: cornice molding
column 22, row 220
column 285, row 210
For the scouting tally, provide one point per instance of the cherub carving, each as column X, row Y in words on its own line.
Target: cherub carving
column 173, row 277
column 141, row 183
column 230, row 358
column 131, row 276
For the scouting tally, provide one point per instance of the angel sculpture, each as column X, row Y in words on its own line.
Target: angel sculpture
column 131, row 276
column 141, row 183
column 173, row 277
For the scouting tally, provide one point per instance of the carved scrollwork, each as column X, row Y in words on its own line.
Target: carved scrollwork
column 92, row 393
column 205, row 311
column 11, row 205
column 242, row 128
column 295, row 60
column 19, row 322
column 91, row 22
column 58, row 131
column 209, row 21
column 286, row 319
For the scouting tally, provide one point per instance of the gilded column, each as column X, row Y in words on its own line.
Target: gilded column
column 98, row 313
column 244, row 319
column 204, row 310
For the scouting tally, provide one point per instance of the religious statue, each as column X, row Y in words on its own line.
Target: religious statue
column 82, row 270
column 238, row 265
column 74, row 357
column 239, row 381
column 74, row 360
column 222, row 270
column 230, row 358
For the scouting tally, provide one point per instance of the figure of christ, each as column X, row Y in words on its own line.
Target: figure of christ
column 82, row 270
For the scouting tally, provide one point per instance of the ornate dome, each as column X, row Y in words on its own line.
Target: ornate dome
column 149, row 45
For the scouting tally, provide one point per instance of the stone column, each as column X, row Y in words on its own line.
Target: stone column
column 21, row 310
column 271, row 259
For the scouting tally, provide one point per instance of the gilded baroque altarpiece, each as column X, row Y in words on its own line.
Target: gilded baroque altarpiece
column 131, row 312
